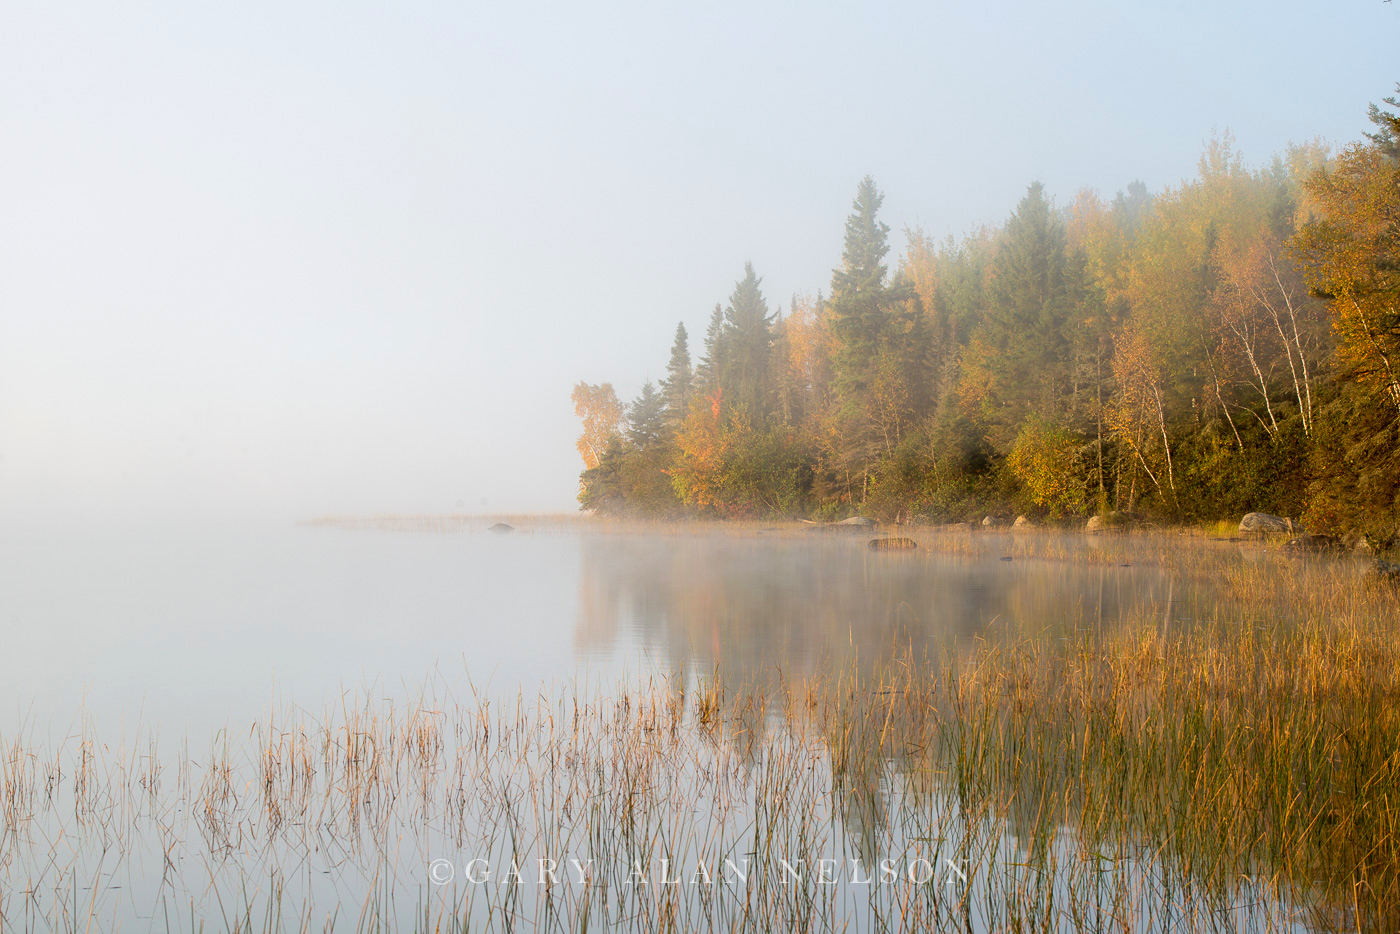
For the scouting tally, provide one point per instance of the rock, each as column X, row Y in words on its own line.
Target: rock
column 1308, row 543
column 990, row 522
column 1386, row 572
column 1359, row 544
column 1263, row 522
column 1110, row 520
column 893, row 544
column 857, row 522
column 501, row 527
column 1022, row 523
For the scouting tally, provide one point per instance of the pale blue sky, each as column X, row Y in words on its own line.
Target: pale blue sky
column 301, row 258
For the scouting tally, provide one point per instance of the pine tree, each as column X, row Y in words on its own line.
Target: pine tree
column 676, row 387
column 1387, row 135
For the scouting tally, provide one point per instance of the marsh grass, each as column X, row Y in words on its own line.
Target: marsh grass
column 1237, row 772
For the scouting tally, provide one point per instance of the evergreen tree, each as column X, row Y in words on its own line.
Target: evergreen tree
column 1026, row 311
column 646, row 418
column 708, row 372
column 883, row 343
column 748, row 341
column 677, row 385
column 1387, row 135
column 858, row 290
column 867, row 241
column 1130, row 206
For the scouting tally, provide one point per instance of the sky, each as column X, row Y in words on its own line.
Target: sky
column 293, row 259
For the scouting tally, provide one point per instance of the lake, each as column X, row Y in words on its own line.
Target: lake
column 189, row 629
column 162, row 686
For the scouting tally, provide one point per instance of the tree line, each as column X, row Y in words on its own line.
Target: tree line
column 1226, row 345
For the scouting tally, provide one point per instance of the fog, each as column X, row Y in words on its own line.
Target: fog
column 286, row 260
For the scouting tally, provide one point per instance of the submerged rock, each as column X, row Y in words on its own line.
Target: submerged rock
column 501, row 527
column 1386, row 572
column 893, row 544
column 1307, row 543
column 1263, row 522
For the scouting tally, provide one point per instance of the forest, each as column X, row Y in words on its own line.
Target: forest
column 1227, row 345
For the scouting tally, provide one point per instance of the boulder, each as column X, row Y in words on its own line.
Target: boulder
column 1309, row 544
column 1022, row 523
column 893, row 544
column 501, row 527
column 857, row 522
column 1111, row 520
column 1263, row 522
column 991, row 522
column 1359, row 544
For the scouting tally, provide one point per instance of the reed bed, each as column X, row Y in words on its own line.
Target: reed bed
column 1236, row 772
column 1200, row 779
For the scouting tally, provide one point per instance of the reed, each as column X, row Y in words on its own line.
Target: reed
column 1227, row 773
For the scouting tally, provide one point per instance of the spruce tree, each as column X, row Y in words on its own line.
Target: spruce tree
column 1024, row 322
column 646, row 418
column 708, row 372
column 748, row 339
column 880, row 367
column 858, row 289
column 677, row 385
column 867, row 243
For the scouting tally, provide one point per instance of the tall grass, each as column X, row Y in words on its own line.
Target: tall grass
column 1209, row 774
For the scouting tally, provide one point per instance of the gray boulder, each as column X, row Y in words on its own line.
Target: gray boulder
column 501, row 527
column 1263, row 522
column 857, row 522
column 1022, row 523
column 991, row 522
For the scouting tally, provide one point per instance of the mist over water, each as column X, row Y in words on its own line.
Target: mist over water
column 192, row 628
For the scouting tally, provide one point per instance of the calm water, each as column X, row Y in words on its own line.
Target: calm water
column 192, row 630
column 197, row 720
